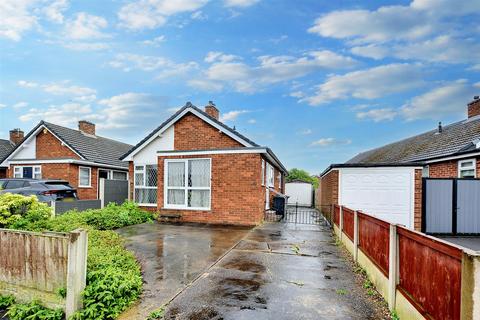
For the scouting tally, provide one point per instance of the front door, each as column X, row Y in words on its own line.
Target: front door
column 28, row 172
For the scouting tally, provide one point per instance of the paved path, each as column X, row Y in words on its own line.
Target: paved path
column 279, row 271
column 172, row 256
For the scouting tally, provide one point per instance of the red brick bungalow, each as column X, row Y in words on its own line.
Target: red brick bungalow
column 81, row 157
column 197, row 169
column 387, row 181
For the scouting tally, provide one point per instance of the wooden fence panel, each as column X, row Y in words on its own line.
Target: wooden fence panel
column 373, row 240
column 430, row 274
column 348, row 222
column 336, row 215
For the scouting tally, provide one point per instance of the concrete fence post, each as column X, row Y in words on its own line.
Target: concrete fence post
column 101, row 189
column 356, row 232
column 54, row 209
column 341, row 223
column 392, row 267
column 470, row 286
column 76, row 270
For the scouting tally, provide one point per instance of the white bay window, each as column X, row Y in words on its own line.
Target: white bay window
column 187, row 184
column 145, row 184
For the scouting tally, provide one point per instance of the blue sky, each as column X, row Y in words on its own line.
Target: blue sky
column 317, row 81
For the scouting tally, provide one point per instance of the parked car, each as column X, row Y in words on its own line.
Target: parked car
column 45, row 190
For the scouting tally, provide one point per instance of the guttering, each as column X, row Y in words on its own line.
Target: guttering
column 454, row 157
column 416, row 165
column 68, row 161
column 261, row 150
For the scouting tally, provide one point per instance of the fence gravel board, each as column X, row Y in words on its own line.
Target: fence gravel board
column 430, row 274
column 374, row 240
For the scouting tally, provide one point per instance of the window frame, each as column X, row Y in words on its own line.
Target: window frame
column 89, row 177
column 263, row 172
column 143, row 185
column 186, row 188
column 270, row 175
column 460, row 169
column 34, row 168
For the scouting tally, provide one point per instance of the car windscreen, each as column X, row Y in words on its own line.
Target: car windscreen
column 57, row 186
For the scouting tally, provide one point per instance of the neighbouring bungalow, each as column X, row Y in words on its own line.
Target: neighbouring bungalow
column 387, row 181
column 81, row 157
column 194, row 168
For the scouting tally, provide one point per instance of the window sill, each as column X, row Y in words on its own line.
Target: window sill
column 146, row 204
column 85, row 187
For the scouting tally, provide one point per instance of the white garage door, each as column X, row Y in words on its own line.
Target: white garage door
column 300, row 193
column 387, row 193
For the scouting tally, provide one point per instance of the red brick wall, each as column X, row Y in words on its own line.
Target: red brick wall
column 192, row 133
column 329, row 190
column 417, row 211
column 49, row 147
column 237, row 195
column 447, row 169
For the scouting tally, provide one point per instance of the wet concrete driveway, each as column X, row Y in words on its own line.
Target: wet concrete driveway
column 278, row 271
column 172, row 256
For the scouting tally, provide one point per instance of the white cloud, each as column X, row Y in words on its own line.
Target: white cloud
column 427, row 30
column 306, row 132
column 65, row 89
column 252, row 121
column 149, row 14
column 450, row 98
column 27, row 84
column 169, row 69
column 16, row 18
column 326, row 142
column 378, row 115
column 155, row 41
column 240, row 3
column 20, row 105
column 131, row 110
column 86, row 27
column 368, row 84
column 86, row 46
column 232, row 115
column 2, row 105
column 198, row 15
column 205, row 85
column 66, row 114
column 54, row 11
column 230, row 70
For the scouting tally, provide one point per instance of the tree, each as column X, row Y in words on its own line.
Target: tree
column 299, row 174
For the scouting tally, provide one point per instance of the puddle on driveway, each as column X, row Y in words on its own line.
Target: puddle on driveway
column 172, row 256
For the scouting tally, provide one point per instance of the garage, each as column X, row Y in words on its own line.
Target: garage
column 387, row 192
column 299, row 193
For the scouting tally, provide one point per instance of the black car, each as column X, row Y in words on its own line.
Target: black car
column 45, row 190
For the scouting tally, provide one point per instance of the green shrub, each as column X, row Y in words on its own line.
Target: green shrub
column 114, row 278
column 6, row 301
column 33, row 311
column 15, row 207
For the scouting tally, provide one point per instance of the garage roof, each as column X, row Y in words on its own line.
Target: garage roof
column 455, row 139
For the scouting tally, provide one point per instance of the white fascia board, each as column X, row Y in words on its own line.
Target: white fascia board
column 213, row 151
column 463, row 156
column 178, row 117
column 70, row 161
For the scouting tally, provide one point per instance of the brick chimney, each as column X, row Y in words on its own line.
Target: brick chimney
column 86, row 127
column 212, row 110
column 474, row 107
column 16, row 136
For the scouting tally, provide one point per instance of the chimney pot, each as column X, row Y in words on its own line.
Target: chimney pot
column 440, row 128
column 474, row 107
column 212, row 110
column 86, row 127
column 16, row 136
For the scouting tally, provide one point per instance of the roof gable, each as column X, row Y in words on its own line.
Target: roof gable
column 92, row 148
column 179, row 115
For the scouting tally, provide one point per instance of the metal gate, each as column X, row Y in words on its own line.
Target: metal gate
column 295, row 214
column 451, row 206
